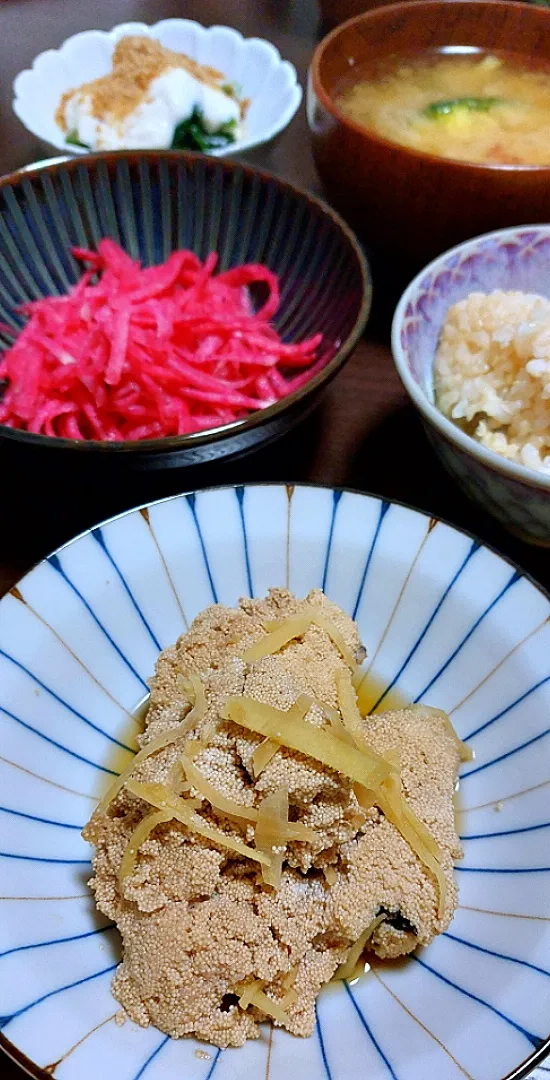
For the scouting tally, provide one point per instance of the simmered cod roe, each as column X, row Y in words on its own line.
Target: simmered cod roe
column 471, row 107
column 266, row 833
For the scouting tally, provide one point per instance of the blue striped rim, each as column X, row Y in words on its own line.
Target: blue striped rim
column 507, row 754
column 97, row 534
column 475, row 546
column 518, row 701
column 499, row 956
column 376, row 1045
column 5, row 1020
column 43, row 859
column 535, row 1040
column 502, row 869
column 336, row 496
column 506, row 832
column 57, row 941
column 41, row 820
column 516, row 576
column 65, row 704
column 55, row 562
column 152, row 1057
column 210, row 1072
column 384, row 507
column 321, row 1041
column 191, row 500
column 240, row 494
column 58, row 745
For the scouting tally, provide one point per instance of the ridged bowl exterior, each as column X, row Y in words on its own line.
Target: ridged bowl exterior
column 152, row 204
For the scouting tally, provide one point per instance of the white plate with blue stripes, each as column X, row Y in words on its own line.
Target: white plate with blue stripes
column 444, row 620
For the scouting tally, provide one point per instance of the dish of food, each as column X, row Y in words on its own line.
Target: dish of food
column 492, row 373
column 154, row 98
column 444, row 622
column 306, row 276
column 266, row 834
column 132, row 353
column 457, row 103
column 174, row 84
column 468, row 343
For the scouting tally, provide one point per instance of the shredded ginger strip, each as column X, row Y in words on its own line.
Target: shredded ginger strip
column 138, row 837
column 214, row 797
column 348, row 970
column 253, row 994
column 164, row 799
column 389, row 797
column 270, row 833
column 281, row 632
column 159, row 742
column 268, row 748
column 351, row 717
column 364, row 768
column 290, row 830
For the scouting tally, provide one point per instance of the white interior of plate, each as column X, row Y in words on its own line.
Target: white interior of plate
column 255, row 65
column 444, row 620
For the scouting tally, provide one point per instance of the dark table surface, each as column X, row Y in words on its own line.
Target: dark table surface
column 364, row 434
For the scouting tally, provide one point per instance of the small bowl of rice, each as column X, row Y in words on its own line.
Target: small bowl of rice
column 471, row 343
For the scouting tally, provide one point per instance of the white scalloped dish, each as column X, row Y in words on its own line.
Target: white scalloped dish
column 269, row 82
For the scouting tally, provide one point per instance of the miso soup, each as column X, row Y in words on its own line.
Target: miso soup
column 462, row 104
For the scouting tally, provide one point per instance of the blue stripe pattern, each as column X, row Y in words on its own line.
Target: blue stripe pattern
column 42, row 820
column 65, row 704
column 384, row 507
column 475, row 546
column 56, row 563
column 535, row 1040
column 506, row 755
column 376, row 1045
column 324, row 1058
column 57, row 941
column 210, row 1072
column 503, row 712
column 499, row 956
column 42, row 859
column 152, row 1057
column 242, row 546
column 336, row 496
column 99, row 537
column 5, row 1020
column 506, row 832
column 502, row 869
column 516, row 576
column 191, row 501
column 58, row 746
column 240, row 493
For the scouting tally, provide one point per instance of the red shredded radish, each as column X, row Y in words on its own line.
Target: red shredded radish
column 134, row 353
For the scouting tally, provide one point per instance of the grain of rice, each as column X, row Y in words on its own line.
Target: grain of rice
column 492, row 373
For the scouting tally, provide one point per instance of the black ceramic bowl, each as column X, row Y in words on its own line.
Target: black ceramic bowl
column 152, row 204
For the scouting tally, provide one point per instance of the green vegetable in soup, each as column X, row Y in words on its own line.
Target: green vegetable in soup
column 73, row 140
column 191, row 134
column 454, row 105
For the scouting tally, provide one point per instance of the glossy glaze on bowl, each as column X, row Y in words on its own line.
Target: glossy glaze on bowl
column 444, row 620
column 254, row 65
column 153, row 203
column 509, row 259
column 409, row 205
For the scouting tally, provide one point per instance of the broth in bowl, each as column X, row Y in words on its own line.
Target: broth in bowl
column 460, row 103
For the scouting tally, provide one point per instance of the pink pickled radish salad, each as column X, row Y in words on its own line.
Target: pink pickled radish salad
column 133, row 353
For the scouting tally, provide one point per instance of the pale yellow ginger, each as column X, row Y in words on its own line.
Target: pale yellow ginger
column 211, row 948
